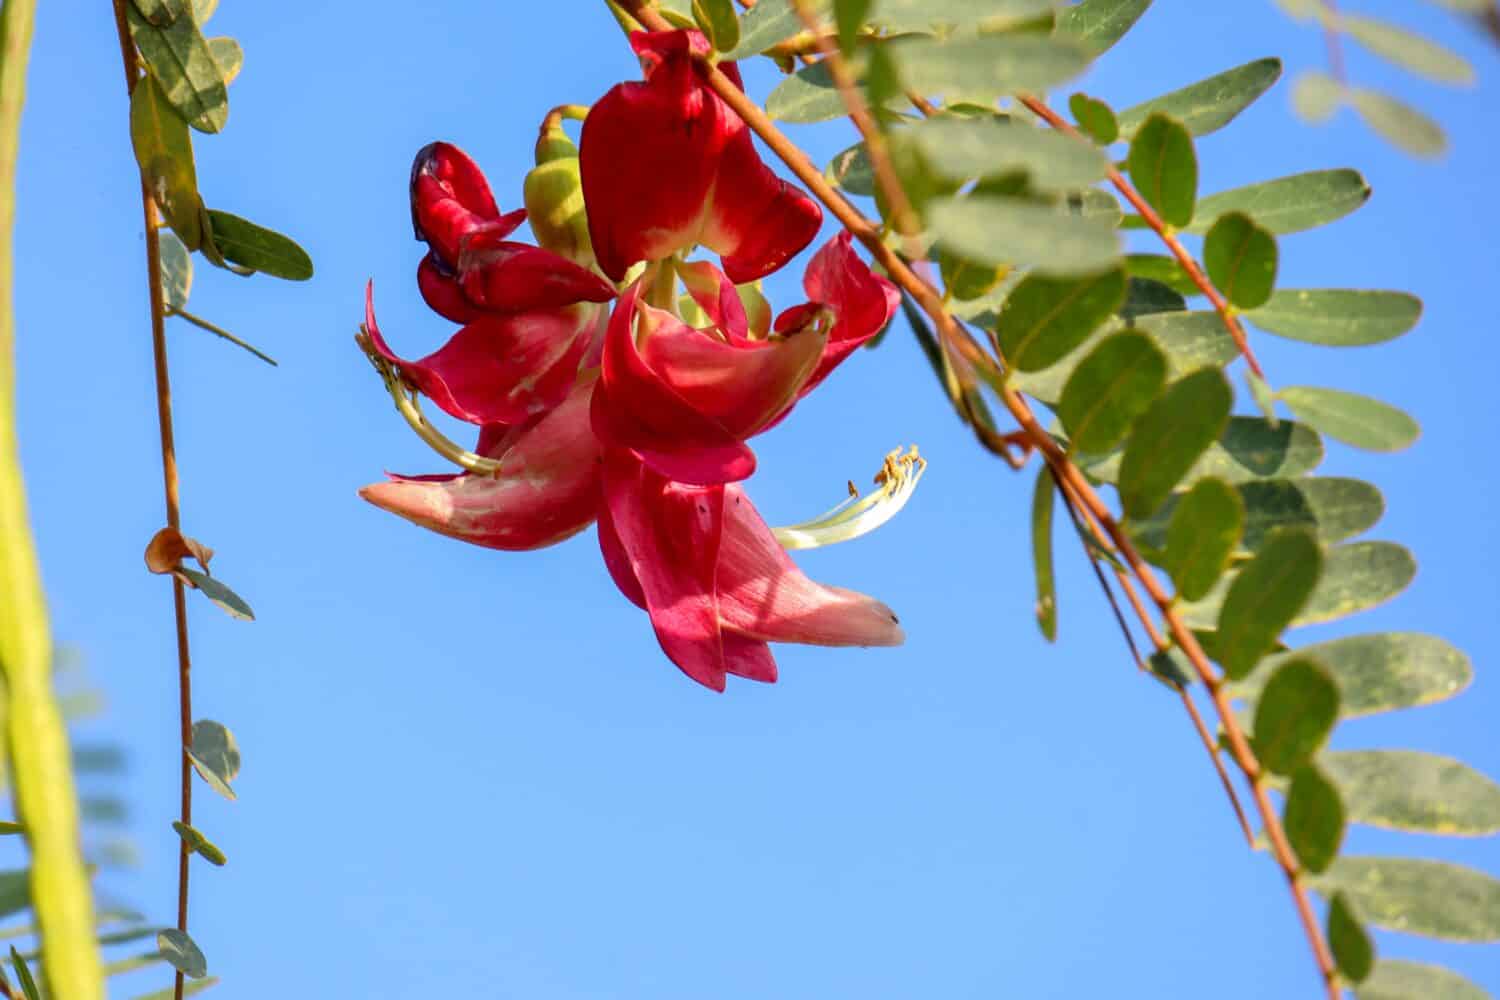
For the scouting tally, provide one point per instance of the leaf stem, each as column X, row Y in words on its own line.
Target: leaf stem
column 219, row 331
column 170, row 491
column 43, row 788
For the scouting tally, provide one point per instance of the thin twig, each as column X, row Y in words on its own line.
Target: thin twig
column 170, row 491
column 1148, row 215
column 219, row 331
column 931, row 302
column 1330, row 17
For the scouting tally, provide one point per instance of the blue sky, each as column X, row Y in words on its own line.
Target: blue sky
column 469, row 773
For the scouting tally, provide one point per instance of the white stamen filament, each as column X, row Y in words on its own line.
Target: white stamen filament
column 856, row 516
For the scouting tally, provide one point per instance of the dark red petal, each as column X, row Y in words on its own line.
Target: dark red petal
column 547, row 489
column 862, row 301
column 669, row 534
column 757, row 221
column 763, row 595
column 441, row 291
column 517, row 277
column 451, row 199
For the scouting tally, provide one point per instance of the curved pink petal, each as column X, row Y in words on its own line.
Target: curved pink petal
column 517, row 277
column 451, row 199
column 547, row 489
column 441, row 292
column 669, row 534
column 499, row 368
column 862, row 302
column 717, row 297
column 635, row 409
column 757, row 221
column 741, row 387
column 763, row 595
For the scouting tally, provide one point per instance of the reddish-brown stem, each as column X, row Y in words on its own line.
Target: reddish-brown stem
column 170, row 491
column 1332, row 42
column 1164, row 232
column 1068, row 473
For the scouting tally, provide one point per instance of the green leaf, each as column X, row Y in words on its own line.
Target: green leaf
column 1289, row 204
column 1316, row 96
column 203, row 10
column 1334, row 508
column 1431, row 898
column 176, row 271
column 252, row 246
column 1203, row 533
column 1353, row 951
column 1399, row 123
column 164, row 152
column 1396, row 980
column 221, row 595
column 1099, row 24
column 1208, row 105
column 1095, row 118
column 1166, row 270
column 985, row 67
column 1351, row 418
column 1413, row 52
column 850, row 16
column 967, row 281
column 1164, row 168
column 1261, row 394
column 1265, row 597
column 178, row 949
column 199, row 844
column 1241, row 260
column 1414, row 791
column 159, row 12
column 1357, row 577
column 716, row 19
column 1170, row 437
column 1337, row 317
column 181, row 61
column 228, row 56
column 1250, row 448
column 1044, row 318
column 1109, row 389
column 1191, row 340
column 1380, row 672
column 1013, row 231
column 807, row 96
column 963, row 149
column 23, row 975
column 1042, row 499
column 851, row 170
column 770, row 23
column 215, row 756
column 1294, row 715
column 1144, row 297
column 1314, row 818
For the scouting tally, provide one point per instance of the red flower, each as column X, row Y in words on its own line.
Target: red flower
column 667, row 165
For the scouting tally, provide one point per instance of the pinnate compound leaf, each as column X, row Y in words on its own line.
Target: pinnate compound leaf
column 1431, row 898
column 164, row 151
column 1379, row 672
column 183, row 954
column 1316, row 96
column 1042, row 502
column 1314, row 818
column 1170, row 437
column 1099, row 24
column 1012, row 231
column 1294, row 715
column 1266, row 596
column 176, row 271
column 1241, row 260
column 1410, row 51
column 1337, row 317
column 1208, row 105
column 963, row 149
column 1109, row 389
column 1289, row 204
column 215, row 756
column 1353, row 951
column 180, row 59
column 1044, row 318
column 1414, row 791
column 1397, row 980
column 1202, row 535
column 985, row 67
column 258, row 248
column 1351, row 418
column 1400, row 124
column 1164, row 168
column 1095, row 118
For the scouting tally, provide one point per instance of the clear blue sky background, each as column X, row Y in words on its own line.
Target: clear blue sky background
column 473, row 774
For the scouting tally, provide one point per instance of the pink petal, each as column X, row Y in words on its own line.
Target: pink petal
column 669, row 534
column 717, row 297
column 451, row 199
column 517, row 277
column 862, row 302
column 757, row 221
column 763, row 595
column 547, row 489
column 749, row 658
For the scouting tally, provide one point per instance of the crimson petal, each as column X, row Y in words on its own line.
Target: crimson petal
column 516, row 277
column 451, row 199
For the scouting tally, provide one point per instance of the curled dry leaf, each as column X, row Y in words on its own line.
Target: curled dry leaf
column 168, row 547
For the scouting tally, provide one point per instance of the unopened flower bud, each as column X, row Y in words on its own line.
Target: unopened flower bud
column 554, row 204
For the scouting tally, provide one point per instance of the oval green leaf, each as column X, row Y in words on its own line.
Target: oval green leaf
column 1099, row 24
column 1289, row 204
column 229, row 57
column 1294, row 715
column 1337, row 317
column 180, row 59
column 1414, row 791
column 1410, row 51
column 1013, row 231
column 1396, row 980
column 1351, row 418
column 1357, row 577
column 1164, row 168
column 1265, row 597
column 962, row 149
column 178, row 949
column 1353, row 951
column 1241, row 260
column 717, row 21
column 1095, row 118
column 1203, row 533
column 1042, row 500
column 1208, row 105
column 1316, row 96
column 1109, row 389
column 1380, row 672
column 176, row 271
column 1313, row 819
column 215, row 756
column 1431, row 898
column 1045, row 318
column 260, row 249
column 164, row 151
column 985, row 67
column 1400, row 124
column 1170, row 437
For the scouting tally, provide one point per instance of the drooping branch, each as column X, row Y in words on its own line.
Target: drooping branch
column 42, row 785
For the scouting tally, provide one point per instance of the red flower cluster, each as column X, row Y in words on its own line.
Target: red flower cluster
column 629, row 414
